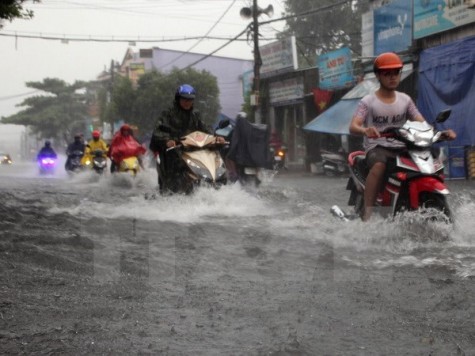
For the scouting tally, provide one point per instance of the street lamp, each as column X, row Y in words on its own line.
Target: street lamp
column 254, row 13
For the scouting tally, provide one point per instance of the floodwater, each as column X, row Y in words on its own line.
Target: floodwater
column 240, row 270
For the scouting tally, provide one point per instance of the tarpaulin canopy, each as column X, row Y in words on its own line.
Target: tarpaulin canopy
column 336, row 119
column 447, row 80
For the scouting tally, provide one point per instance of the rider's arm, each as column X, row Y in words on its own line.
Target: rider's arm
column 357, row 128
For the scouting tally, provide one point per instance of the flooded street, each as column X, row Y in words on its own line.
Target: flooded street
column 103, row 265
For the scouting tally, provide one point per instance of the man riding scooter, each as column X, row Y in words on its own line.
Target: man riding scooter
column 179, row 120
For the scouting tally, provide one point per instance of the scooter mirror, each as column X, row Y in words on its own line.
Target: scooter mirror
column 443, row 115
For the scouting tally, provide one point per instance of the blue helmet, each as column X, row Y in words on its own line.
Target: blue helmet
column 185, row 91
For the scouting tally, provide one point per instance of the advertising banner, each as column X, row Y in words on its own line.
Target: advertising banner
column 393, row 27
column 335, row 69
column 440, row 15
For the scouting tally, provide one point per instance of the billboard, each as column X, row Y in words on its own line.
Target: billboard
column 393, row 27
column 335, row 69
column 433, row 16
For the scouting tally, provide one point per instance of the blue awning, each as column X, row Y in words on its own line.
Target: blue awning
column 337, row 118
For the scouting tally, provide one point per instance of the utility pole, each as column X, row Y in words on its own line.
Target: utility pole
column 257, row 62
column 254, row 12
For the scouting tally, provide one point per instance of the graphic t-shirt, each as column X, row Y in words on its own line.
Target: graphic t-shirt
column 383, row 116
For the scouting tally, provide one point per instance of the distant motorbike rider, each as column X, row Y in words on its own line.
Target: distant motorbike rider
column 181, row 119
column 96, row 143
column 76, row 146
column 47, row 151
column 124, row 145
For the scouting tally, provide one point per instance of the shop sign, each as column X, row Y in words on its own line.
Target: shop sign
column 335, row 69
column 279, row 55
column 286, row 90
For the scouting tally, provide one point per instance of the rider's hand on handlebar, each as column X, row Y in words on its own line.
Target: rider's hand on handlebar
column 220, row 140
column 449, row 134
column 171, row 143
column 371, row 132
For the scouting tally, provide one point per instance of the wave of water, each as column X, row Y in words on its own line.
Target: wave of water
column 290, row 212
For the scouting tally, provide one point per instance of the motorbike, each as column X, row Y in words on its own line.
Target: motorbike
column 415, row 183
column 129, row 165
column 5, row 158
column 96, row 161
column 46, row 165
column 333, row 163
column 279, row 157
column 199, row 163
column 241, row 165
column 75, row 164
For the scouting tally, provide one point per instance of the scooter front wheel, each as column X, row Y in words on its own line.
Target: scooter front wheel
column 438, row 202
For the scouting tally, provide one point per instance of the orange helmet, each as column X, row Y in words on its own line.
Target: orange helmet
column 96, row 134
column 388, row 60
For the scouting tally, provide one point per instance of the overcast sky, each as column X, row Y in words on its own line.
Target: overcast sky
column 33, row 59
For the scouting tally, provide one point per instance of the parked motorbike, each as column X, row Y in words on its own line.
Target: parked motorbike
column 96, row 161
column 75, row 164
column 416, row 181
column 46, row 165
column 333, row 163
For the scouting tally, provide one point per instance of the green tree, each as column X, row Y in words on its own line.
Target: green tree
column 11, row 9
column 156, row 92
column 331, row 26
column 121, row 103
column 58, row 113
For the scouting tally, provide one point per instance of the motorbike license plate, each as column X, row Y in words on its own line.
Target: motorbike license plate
column 250, row 170
column 277, row 158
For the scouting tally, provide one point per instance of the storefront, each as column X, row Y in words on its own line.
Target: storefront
column 287, row 115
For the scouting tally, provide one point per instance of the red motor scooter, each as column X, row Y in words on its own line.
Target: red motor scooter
column 414, row 182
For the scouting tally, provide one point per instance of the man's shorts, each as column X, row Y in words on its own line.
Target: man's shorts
column 381, row 154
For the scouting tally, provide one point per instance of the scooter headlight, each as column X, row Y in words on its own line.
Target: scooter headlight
column 197, row 169
column 423, row 138
column 407, row 135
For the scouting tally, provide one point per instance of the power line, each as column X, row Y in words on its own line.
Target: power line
column 310, row 12
column 3, row 98
column 200, row 40
column 69, row 38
